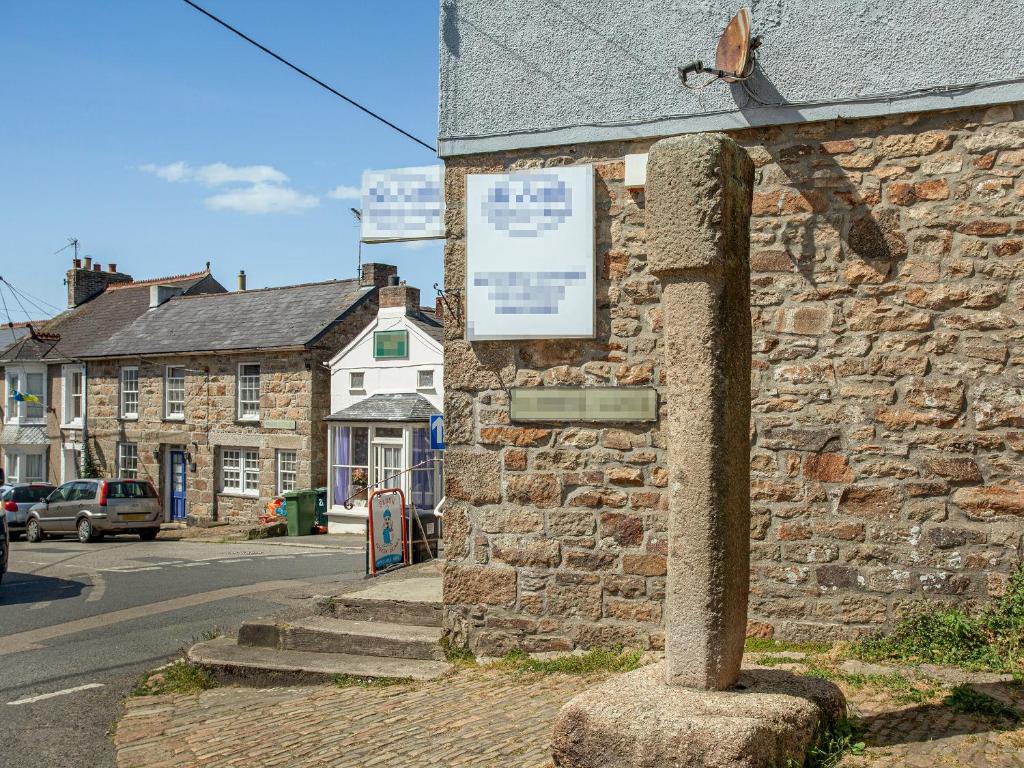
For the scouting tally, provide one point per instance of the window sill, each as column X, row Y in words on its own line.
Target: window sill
column 239, row 495
column 173, row 418
column 129, row 418
column 72, row 425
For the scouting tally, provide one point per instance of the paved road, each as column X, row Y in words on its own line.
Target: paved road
column 85, row 621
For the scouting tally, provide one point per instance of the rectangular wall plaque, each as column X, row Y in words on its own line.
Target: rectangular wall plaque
column 279, row 423
column 390, row 344
column 530, row 254
column 584, row 404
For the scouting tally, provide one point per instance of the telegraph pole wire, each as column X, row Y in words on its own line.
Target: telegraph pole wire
column 306, row 74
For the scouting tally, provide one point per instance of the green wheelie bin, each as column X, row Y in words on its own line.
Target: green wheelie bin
column 301, row 509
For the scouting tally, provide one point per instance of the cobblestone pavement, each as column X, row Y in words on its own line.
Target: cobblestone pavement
column 484, row 718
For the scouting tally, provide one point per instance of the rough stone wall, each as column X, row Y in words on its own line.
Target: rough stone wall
column 887, row 257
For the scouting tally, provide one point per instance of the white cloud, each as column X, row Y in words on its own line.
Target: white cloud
column 171, row 172
column 217, row 174
column 256, row 189
column 345, row 192
column 260, row 199
column 415, row 245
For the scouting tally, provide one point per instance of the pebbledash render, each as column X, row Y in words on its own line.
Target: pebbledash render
column 887, row 450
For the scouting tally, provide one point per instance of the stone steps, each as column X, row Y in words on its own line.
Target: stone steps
column 326, row 634
column 267, row 666
column 421, row 613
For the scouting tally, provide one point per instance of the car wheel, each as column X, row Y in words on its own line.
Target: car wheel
column 33, row 533
column 148, row 534
column 85, row 531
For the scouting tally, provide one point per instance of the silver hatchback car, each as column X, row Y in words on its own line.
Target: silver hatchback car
column 94, row 508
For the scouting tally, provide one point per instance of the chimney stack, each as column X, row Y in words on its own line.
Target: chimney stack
column 112, row 267
column 158, row 294
column 400, row 295
column 86, row 280
column 377, row 274
column 241, row 280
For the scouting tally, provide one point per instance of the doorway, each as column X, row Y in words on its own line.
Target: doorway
column 177, row 485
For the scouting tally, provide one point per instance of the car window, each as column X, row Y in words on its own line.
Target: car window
column 84, row 491
column 60, row 494
column 129, row 489
column 30, row 494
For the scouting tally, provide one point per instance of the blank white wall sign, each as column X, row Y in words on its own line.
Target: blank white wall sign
column 530, row 254
column 403, row 204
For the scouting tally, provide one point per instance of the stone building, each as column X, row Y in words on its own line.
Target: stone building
column 887, row 254
column 44, row 441
column 220, row 400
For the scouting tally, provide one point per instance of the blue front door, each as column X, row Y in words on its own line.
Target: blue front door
column 178, row 485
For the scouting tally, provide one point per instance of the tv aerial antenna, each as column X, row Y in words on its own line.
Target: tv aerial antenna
column 734, row 57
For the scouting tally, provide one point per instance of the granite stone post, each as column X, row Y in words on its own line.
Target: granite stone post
column 698, row 709
column 698, row 232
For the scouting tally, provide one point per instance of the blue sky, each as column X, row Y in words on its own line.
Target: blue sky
column 163, row 141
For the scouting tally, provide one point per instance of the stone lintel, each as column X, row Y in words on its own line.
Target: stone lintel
column 636, row 720
column 698, row 213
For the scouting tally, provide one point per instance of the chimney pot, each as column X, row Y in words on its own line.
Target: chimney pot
column 112, row 267
column 439, row 309
column 88, row 262
column 97, row 267
column 76, row 263
column 241, row 280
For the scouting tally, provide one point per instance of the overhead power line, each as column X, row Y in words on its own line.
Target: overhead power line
column 306, row 74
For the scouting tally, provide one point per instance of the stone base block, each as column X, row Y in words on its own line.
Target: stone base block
column 637, row 721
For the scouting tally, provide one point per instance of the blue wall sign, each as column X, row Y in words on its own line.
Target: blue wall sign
column 437, row 433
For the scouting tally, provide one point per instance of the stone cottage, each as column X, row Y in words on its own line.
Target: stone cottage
column 220, row 399
column 44, row 441
column 887, row 254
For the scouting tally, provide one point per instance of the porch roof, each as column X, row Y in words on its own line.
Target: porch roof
column 388, row 407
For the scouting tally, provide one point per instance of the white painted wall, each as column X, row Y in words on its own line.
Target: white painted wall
column 387, row 376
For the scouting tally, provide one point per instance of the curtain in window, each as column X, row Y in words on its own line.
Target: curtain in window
column 342, row 455
column 422, row 478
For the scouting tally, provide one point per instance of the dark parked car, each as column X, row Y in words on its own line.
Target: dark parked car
column 94, row 508
column 17, row 500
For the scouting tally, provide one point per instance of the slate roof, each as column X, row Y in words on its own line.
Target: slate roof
column 13, row 434
column 93, row 323
column 266, row 318
column 387, row 407
column 425, row 319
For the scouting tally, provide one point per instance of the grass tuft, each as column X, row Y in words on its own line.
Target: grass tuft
column 964, row 698
column 991, row 638
column 180, row 677
column 829, row 749
column 459, row 655
column 767, row 645
column 596, row 661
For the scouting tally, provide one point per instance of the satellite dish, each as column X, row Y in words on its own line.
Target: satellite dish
column 734, row 60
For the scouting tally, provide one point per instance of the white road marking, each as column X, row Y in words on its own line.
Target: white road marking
column 237, row 560
column 99, row 587
column 191, row 565
column 65, row 692
column 38, row 606
column 319, row 554
column 280, row 557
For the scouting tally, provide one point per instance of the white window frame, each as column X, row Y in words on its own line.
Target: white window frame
column 16, row 466
column 419, row 378
column 17, row 412
column 361, row 385
column 281, row 458
column 128, row 452
column 122, row 401
column 68, row 419
column 239, row 389
column 243, row 462
column 167, row 400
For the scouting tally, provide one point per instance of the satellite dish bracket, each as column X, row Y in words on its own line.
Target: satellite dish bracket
column 734, row 59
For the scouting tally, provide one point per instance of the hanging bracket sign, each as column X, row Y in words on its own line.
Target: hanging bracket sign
column 386, row 530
